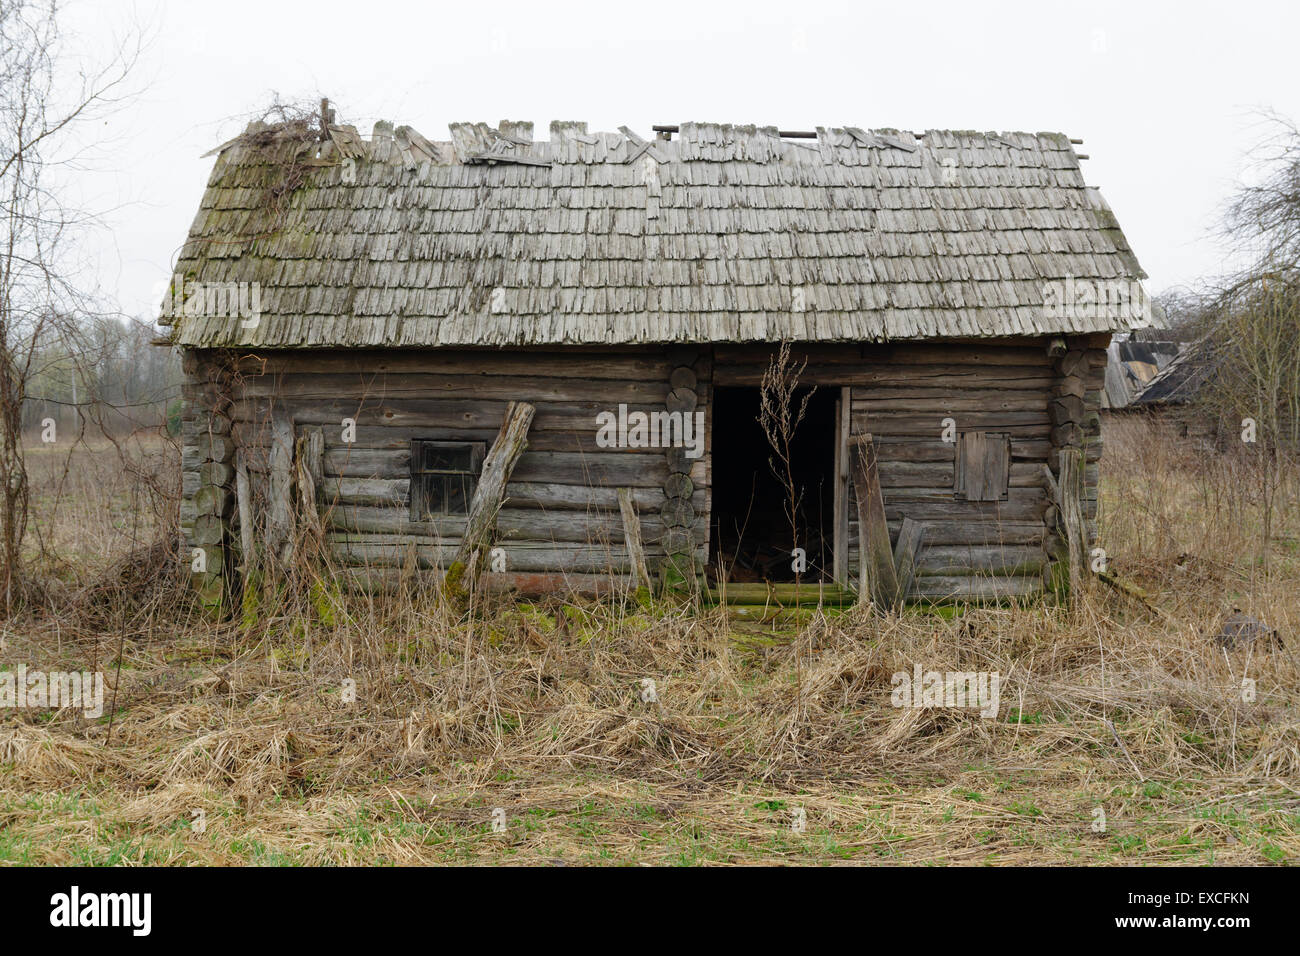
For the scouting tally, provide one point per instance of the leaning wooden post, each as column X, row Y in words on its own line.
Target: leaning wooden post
column 471, row 556
column 280, row 523
column 632, row 537
column 1070, row 488
column 910, row 536
column 309, row 455
column 877, row 577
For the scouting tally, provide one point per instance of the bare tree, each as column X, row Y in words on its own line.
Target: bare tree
column 1263, row 218
column 41, row 103
column 780, row 414
column 1250, row 326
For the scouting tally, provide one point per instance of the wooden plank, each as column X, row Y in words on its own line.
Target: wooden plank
column 979, row 532
column 632, row 538
column 1070, row 490
column 877, row 578
column 997, row 559
column 840, row 502
column 906, row 548
column 279, row 524
column 975, row 588
column 939, row 477
column 245, row 509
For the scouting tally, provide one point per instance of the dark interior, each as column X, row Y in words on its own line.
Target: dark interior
column 750, row 539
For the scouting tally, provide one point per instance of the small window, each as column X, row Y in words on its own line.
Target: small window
column 983, row 466
column 443, row 476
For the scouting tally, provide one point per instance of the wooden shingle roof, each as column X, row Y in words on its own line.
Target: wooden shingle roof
column 721, row 234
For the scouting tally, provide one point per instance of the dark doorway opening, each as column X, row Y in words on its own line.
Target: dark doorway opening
column 750, row 537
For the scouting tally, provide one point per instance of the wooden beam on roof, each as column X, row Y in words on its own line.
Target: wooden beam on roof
column 786, row 133
column 507, row 158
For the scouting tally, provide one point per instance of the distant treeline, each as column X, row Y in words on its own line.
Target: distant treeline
column 108, row 379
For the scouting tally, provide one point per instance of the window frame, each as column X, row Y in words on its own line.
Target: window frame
column 420, row 475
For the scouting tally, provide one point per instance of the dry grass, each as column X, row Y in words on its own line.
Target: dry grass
column 536, row 710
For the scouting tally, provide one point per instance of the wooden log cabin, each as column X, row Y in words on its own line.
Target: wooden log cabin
column 357, row 316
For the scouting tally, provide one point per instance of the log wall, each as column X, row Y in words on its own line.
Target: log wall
column 901, row 395
column 562, row 513
column 562, row 510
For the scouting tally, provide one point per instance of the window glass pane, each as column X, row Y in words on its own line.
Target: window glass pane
column 434, row 497
column 446, row 457
column 457, row 494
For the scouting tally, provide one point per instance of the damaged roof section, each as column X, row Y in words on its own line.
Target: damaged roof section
column 495, row 238
column 1181, row 380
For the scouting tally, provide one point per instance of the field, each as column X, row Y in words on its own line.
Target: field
column 331, row 728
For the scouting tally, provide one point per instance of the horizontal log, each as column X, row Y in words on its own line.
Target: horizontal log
column 589, row 363
column 928, row 426
column 983, row 352
column 1006, row 377
column 937, row 477
column 581, row 437
column 576, row 388
column 988, row 588
column 966, row 400
column 580, row 558
column 975, row 532
column 413, row 417
column 528, row 584
column 958, row 561
column 552, row 495
column 613, row 468
column 522, row 524
column 898, row 448
column 1017, row 508
column 785, row 594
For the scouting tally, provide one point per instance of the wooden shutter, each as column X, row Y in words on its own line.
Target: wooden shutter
column 983, row 466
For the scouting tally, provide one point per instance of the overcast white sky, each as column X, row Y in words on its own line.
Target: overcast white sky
column 1163, row 94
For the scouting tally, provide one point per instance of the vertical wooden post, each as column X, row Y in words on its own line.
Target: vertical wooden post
column 840, row 528
column 1070, row 489
column 632, row 537
column 310, row 450
column 279, row 523
column 245, row 506
column 878, row 580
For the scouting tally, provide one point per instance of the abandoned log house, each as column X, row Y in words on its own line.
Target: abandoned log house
column 557, row 346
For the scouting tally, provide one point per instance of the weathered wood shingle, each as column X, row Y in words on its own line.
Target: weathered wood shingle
column 723, row 234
